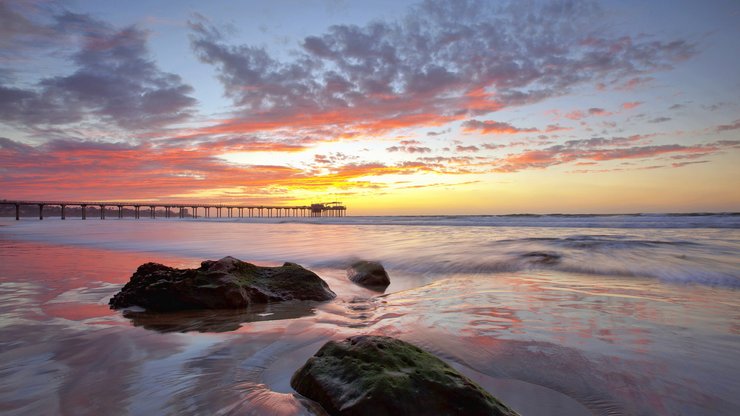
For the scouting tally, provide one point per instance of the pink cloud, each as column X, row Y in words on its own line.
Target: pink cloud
column 631, row 104
column 554, row 128
column 593, row 111
column 728, row 127
column 633, row 83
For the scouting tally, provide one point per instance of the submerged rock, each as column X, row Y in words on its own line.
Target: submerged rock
column 376, row 375
column 223, row 284
column 370, row 274
column 547, row 258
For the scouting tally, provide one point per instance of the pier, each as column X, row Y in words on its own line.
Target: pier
column 139, row 210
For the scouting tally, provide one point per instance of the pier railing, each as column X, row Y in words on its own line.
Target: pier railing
column 180, row 209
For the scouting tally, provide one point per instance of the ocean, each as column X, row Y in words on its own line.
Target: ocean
column 552, row 314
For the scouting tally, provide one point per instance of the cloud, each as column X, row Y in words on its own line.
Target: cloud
column 594, row 111
column 455, row 165
column 19, row 32
column 631, row 104
column 553, row 128
column 581, row 114
column 728, row 127
column 633, row 83
column 223, row 144
column 438, row 133
column 441, row 62
column 460, row 148
column 434, row 185
column 595, row 142
column 147, row 171
column 348, row 175
column 659, row 120
column 729, row 143
column 600, row 150
column 682, row 164
column 492, row 146
column 54, row 168
column 692, row 156
column 115, row 82
column 9, row 145
column 418, row 149
column 334, row 158
column 716, row 106
column 496, row 127
column 409, row 149
column 575, row 115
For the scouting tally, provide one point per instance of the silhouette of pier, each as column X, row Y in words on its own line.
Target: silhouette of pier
column 138, row 210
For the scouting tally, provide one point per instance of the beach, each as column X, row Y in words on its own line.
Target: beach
column 578, row 315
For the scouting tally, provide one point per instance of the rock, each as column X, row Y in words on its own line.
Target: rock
column 376, row 375
column 224, row 284
column 370, row 274
column 546, row 258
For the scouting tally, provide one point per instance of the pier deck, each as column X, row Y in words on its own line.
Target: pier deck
column 180, row 210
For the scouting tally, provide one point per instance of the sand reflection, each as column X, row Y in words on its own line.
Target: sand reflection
column 224, row 320
column 549, row 341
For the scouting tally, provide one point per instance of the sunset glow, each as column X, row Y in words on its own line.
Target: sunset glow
column 431, row 107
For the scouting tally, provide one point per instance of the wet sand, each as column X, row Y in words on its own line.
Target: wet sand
column 542, row 341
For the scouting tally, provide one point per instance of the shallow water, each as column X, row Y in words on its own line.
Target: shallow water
column 616, row 319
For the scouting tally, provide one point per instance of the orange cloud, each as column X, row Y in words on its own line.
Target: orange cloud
column 77, row 170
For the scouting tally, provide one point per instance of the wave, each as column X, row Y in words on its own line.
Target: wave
column 622, row 221
column 538, row 261
column 706, row 255
column 729, row 220
column 670, row 260
column 600, row 242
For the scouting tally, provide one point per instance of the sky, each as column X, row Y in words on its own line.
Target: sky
column 391, row 107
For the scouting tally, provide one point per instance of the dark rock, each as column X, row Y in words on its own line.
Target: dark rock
column 223, row 284
column 542, row 257
column 375, row 375
column 370, row 274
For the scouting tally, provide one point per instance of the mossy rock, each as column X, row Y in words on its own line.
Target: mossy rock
column 377, row 375
column 224, row 284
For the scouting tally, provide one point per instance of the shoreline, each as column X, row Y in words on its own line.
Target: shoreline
column 588, row 223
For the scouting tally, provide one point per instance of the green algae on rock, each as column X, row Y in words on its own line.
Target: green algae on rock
column 377, row 375
column 224, row 284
